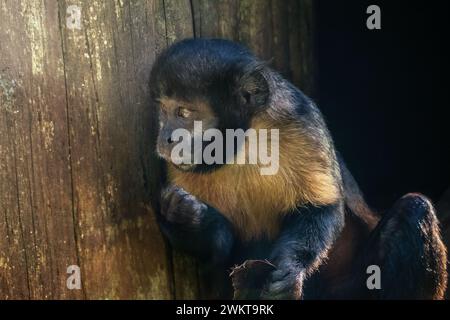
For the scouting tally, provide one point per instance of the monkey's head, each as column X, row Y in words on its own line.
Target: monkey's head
column 217, row 82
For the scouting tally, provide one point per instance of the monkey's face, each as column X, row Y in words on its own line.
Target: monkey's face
column 216, row 82
column 177, row 119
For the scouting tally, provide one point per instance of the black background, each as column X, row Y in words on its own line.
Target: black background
column 384, row 94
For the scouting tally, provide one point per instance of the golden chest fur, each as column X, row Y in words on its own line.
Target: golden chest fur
column 255, row 203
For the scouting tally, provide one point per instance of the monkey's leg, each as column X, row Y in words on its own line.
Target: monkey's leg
column 194, row 227
column 305, row 238
column 407, row 247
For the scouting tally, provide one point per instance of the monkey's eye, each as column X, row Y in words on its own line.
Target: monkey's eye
column 183, row 112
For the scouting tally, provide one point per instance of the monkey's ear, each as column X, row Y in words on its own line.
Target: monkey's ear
column 253, row 88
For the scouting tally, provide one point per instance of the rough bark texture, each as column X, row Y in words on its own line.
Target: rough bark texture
column 76, row 163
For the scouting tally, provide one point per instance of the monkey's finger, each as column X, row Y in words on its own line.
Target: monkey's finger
column 167, row 197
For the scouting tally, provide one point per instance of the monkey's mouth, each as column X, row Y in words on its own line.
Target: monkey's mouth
column 177, row 164
column 184, row 167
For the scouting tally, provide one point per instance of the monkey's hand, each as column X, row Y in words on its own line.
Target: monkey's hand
column 192, row 226
column 304, row 240
column 284, row 283
column 179, row 207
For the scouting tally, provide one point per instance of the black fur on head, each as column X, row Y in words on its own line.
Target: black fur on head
column 226, row 74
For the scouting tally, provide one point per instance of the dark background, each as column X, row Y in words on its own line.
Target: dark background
column 384, row 94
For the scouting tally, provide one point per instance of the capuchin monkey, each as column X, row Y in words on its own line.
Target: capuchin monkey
column 309, row 219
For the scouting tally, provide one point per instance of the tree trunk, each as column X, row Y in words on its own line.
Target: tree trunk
column 76, row 162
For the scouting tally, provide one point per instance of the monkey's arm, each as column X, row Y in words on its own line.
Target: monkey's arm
column 305, row 238
column 194, row 227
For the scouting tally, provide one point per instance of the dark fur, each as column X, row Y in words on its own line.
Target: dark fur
column 323, row 242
